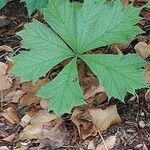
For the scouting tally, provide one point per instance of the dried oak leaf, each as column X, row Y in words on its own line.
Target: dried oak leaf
column 34, row 130
column 89, row 121
column 143, row 49
column 14, row 96
column 57, row 134
column 11, row 115
column 83, row 121
column 102, row 119
column 110, row 143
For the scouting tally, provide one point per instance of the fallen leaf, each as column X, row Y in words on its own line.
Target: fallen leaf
column 4, row 148
column 102, row 119
column 37, row 121
column 110, row 143
column 5, row 80
column 147, row 73
column 32, row 132
column 57, row 134
column 9, row 138
column 144, row 147
column 93, row 91
column 26, row 119
column 44, row 104
column 30, row 88
column 14, row 96
column 147, row 98
column 28, row 99
column 96, row 93
column 6, row 48
column 143, row 49
column 91, row 145
column 43, row 117
column 83, row 121
column 11, row 115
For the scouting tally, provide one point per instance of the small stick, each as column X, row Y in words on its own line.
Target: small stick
column 103, row 140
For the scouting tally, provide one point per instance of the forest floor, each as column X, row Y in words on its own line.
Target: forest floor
column 20, row 107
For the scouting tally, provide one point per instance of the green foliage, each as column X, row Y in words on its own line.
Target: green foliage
column 75, row 29
column 32, row 5
column 2, row 3
column 147, row 5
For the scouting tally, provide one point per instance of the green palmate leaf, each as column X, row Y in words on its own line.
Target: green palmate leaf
column 93, row 24
column 3, row 3
column 64, row 91
column 47, row 51
column 32, row 5
column 118, row 74
column 74, row 29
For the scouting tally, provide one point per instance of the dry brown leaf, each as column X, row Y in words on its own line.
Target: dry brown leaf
column 3, row 68
column 147, row 73
column 38, row 119
column 144, row 147
column 83, row 122
column 102, row 119
column 25, row 120
column 93, row 91
column 147, row 98
column 42, row 117
column 110, row 143
column 143, row 49
column 6, row 48
column 5, row 80
column 57, row 134
column 44, row 104
column 91, row 145
column 14, row 96
column 4, row 148
column 29, row 99
column 11, row 115
column 9, row 138
column 32, row 132
column 30, row 88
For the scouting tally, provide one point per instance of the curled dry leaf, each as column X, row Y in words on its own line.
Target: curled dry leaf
column 90, row 121
column 11, row 115
column 57, row 134
column 14, row 96
column 147, row 73
column 34, row 130
column 42, row 117
column 143, row 49
column 147, row 98
column 95, row 93
column 9, row 138
column 110, row 143
column 102, row 119
column 83, row 121
column 6, row 48
column 5, row 80
column 28, row 99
